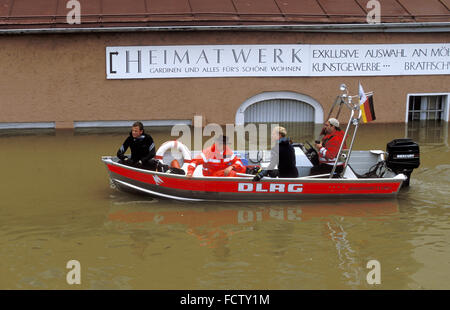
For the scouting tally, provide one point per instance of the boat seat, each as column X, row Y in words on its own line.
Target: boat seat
column 349, row 173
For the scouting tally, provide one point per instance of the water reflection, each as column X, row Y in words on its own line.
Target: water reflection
column 208, row 223
column 219, row 227
column 119, row 130
column 27, row 132
column 347, row 261
column 428, row 132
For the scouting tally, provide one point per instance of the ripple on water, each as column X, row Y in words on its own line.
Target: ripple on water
column 430, row 187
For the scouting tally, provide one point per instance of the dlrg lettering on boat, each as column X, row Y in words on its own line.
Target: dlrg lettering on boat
column 270, row 187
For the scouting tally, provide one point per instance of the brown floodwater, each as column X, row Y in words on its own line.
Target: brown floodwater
column 57, row 205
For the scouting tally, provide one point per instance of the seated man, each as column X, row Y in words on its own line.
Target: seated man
column 282, row 155
column 217, row 160
column 142, row 148
column 329, row 148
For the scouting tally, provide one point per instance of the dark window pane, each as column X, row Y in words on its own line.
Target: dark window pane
column 417, row 103
column 440, row 103
column 411, row 103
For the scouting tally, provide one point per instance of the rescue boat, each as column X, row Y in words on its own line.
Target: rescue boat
column 352, row 184
column 366, row 174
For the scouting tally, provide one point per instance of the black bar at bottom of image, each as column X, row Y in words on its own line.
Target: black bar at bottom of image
column 220, row 299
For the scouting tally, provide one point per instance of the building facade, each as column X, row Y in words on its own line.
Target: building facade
column 56, row 74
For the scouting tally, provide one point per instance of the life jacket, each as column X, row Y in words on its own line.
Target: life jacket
column 214, row 162
column 330, row 147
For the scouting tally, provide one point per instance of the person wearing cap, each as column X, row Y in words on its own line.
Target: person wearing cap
column 217, row 160
column 328, row 148
column 142, row 148
column 282, row 155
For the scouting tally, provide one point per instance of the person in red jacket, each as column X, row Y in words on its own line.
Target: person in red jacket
column 329, row 148
column 217, row 160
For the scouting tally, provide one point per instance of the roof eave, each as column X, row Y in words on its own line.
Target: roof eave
column 381, row 27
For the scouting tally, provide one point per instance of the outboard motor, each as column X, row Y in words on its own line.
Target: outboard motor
column 403, row 157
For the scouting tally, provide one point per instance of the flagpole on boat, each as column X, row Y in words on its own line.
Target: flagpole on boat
column 352, row 120
column 356, row 123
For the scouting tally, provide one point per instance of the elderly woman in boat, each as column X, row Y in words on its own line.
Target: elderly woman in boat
column 281, row 155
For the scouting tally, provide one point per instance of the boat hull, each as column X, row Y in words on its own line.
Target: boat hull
column 180, row 187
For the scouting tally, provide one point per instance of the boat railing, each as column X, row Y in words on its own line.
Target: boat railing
column 304, row 177
column 355, row 109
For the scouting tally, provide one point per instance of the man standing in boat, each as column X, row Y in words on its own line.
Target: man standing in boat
column 142, row 148
column 328, row 148
column 282, row 155
column 217, row 160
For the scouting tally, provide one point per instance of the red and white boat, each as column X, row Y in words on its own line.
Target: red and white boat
column 366, row 174
column 199, row 188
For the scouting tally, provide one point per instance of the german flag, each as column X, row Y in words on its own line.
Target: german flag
column 366, row 106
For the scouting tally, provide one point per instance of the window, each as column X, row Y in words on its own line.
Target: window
column 268, row 101
column 427, row 107
column 279, row 110
column 427, row 116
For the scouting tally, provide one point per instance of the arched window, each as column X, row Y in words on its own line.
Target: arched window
column 279, row 107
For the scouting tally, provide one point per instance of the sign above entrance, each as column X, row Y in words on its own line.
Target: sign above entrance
column 190, row 61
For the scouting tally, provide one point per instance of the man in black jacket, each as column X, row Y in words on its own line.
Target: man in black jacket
column 142, row 148
column 281, row 155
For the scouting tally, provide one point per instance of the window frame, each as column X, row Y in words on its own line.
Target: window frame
column 445, row 101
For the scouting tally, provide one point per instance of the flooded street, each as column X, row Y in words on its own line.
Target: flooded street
column 57, row 205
